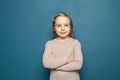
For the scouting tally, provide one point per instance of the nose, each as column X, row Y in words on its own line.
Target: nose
column 62, row 28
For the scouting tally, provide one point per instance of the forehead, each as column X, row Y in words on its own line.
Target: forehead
column 62, row 19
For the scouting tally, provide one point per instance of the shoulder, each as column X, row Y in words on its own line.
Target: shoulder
column 77, row 42
column 48, row 43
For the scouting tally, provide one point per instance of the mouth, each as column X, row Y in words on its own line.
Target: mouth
column 62, row 32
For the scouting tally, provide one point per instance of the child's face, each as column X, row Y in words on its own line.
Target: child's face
column 62, row 26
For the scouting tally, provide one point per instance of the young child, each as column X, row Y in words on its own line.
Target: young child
column 63, row 54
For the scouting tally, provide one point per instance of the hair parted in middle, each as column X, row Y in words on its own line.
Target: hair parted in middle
column 71, row 24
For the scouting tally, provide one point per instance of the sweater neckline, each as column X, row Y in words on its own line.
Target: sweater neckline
column 56, row 40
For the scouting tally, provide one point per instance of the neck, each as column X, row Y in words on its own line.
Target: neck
column 63, row 39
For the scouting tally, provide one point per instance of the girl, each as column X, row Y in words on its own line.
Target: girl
column 63, row 54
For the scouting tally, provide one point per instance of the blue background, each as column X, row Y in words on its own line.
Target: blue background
column 26, row 25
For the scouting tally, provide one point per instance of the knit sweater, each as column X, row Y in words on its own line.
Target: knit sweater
column 60, row 68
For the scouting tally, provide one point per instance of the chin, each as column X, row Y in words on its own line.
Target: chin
column 64, row 36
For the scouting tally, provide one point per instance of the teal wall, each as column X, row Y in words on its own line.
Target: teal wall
column 25, row 26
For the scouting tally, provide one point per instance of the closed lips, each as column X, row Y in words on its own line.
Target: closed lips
column 63, row 32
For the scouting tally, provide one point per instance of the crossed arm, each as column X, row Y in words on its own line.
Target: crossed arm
column 67, row 63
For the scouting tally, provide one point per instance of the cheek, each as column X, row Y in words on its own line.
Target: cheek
column 57, row 29
column 68, row 29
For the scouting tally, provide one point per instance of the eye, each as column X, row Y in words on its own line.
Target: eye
column 66, row 25
column 58, row 25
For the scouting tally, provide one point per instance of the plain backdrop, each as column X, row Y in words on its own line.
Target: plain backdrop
column 26, row 25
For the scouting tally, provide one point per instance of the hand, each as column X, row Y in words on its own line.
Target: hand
column 70, row 59
column 50, row 56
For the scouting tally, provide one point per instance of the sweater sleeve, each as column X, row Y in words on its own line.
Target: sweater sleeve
column 77, row 64
column 52, row 63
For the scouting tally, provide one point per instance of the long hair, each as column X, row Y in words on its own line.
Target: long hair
column 71, row 24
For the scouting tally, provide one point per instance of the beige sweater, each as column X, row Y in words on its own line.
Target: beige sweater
column 60, row 68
